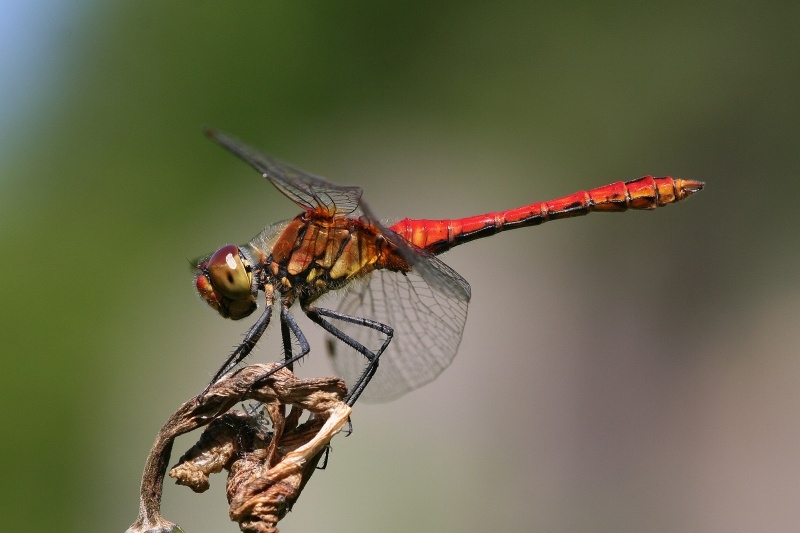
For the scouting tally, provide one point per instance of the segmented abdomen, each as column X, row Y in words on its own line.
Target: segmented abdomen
column 437, row 236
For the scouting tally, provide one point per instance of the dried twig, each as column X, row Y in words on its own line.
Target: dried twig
column 268, row 470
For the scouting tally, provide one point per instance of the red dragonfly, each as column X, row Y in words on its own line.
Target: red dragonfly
column 395, row 288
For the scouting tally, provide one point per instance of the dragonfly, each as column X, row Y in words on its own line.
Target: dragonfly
column 402, row 308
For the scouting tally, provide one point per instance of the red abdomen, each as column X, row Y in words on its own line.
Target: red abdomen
column 437, row 236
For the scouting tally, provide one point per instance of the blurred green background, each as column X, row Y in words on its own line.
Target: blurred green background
column 625, row 373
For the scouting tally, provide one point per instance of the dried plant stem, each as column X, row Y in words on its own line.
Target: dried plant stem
column 269, row 470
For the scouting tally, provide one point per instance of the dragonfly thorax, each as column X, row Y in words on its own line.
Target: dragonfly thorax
column 317, row 254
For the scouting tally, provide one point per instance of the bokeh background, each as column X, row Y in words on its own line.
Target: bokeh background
column 620, row 373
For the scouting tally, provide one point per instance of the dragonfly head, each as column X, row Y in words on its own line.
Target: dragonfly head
column 225, row 281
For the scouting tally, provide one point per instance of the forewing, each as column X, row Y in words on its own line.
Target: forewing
column 306, row 190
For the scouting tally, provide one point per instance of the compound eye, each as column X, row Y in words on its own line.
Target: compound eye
column 229, row 274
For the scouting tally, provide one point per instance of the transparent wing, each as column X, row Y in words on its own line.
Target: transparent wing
column 306, row 190
column 428, row 325
column 427, row 307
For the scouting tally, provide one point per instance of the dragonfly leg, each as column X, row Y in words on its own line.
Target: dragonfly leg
column 290, row 323
column 327, row 456
column 316, row 315
column 286, row 337
column 246, row 346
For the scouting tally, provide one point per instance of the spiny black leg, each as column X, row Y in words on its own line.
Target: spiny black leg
column 287, row 341
column 316, row 314
column 246, row 346
column 286, row 338
column 325, row 459
column 291, row 324
column 289, row 321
